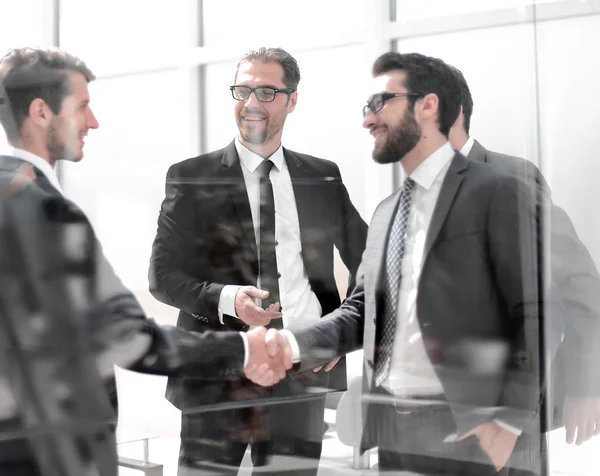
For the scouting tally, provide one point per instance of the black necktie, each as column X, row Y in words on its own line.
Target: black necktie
column 268, row 272
column 393, row 269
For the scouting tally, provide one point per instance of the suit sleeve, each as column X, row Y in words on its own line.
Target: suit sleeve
column 71, row 279
column 177, row 249
column 515, row 248
column 120, row 332
column 574, row 330
column 578, row 285
column 123, row 335
column 351, row 234
column 336, row 334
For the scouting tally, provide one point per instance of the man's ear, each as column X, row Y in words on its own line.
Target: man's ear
column 39, row 112
column 429, row 106
column 292, row 101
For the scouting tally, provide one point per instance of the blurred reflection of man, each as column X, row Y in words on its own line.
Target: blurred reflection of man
column 574, row 398
column 235, row 223
column 66, row 318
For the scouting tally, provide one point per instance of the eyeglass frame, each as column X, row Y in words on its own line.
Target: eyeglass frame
column 287, row 91
column 385, row 97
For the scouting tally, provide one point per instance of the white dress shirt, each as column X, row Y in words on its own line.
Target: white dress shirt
column 298, row 301
column 411, row 372
column 466, row 149
column 39, row 163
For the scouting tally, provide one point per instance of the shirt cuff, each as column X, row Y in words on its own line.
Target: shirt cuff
column 245, row 340
column 227, row 301
column 293, row 344
column 508, row 427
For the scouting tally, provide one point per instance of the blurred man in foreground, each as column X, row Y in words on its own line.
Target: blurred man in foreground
column 66, row 318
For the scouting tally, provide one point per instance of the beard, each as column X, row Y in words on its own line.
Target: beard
column 400, row 141
column 57, row 148
column 258, row 133
column 254, row 134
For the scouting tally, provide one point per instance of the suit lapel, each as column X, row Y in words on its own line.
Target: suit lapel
column 478, row 152
column 233, row 176
column 454, row 178
column 43, row 182
column 304, row 191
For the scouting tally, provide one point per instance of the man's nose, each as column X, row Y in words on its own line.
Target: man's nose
column 370, row 119
column 252, row 100
column 92, row 122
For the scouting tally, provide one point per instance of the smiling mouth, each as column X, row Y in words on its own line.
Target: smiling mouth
column 253, row 119
column 377, row 131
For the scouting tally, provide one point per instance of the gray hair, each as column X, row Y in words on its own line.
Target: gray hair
column 291, row 71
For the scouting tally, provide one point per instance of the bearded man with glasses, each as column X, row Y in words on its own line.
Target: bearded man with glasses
column 245, row 238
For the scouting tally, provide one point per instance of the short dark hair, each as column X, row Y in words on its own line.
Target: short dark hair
column 425, row 75
column 27, row 74
column 291, row 71
column 466, row 100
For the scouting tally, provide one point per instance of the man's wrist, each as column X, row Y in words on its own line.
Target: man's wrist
column 293, row 345
column 227, row 301
column 507, row 427
column 246, row 348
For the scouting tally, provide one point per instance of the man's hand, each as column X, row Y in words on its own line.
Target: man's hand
column 581, row 415
column 269, row 356
column 329, row 366
column 247, row 310
column 497, row 442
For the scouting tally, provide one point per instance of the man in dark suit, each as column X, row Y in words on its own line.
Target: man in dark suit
column 66, row 317
column 254, row 221
column 449, row 295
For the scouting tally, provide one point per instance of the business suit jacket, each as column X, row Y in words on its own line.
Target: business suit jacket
column 480, row 285
column 205, row 240
column 573, row 334
column 89, row 327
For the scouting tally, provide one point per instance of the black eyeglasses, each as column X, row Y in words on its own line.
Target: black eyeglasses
column 262, row 93
column 377, row 101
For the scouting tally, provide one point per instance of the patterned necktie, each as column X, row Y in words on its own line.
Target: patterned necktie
column 393, row 269
column 269, row 275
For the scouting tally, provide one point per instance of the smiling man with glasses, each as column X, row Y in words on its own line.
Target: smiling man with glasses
column 245, row 238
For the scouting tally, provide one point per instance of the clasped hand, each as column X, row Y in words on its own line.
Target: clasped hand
column 269, row 356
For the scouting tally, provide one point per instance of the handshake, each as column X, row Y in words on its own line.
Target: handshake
column 269, row 356
column 269, row 351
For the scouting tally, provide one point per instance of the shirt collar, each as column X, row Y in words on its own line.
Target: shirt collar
column 466, row 149
column 251, row 161
column 426, row 173
column 38, row 163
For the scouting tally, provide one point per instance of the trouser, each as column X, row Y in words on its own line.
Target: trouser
column 416, row 437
